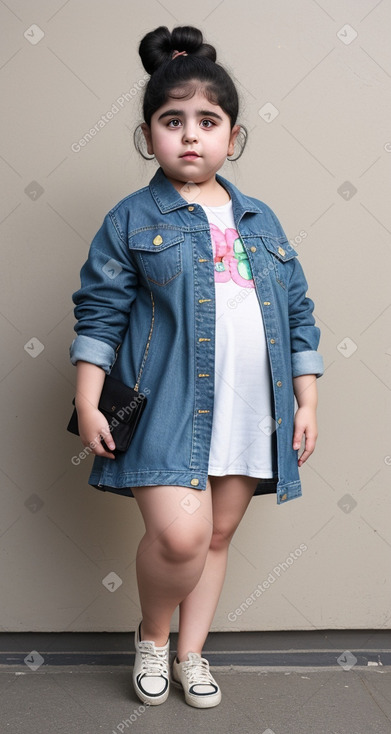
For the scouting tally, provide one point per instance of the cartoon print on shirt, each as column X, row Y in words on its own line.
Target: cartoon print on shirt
column 230, row 257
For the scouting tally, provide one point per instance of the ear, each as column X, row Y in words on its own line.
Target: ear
column 148, row 137
column 234, row 134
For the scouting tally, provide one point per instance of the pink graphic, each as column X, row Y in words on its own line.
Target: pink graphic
column 230, row 257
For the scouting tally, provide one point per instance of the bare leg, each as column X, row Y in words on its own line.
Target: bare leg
column 230, row 498
column 171, row 555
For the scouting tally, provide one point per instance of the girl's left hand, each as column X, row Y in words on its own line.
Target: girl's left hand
column 305, row 423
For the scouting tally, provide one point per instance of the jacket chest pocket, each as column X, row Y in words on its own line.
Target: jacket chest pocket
column 280, row 252
column 159, row 252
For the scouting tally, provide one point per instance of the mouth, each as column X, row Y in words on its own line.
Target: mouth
column 191, row 155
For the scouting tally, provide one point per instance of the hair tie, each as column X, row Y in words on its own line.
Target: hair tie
column 178, row 53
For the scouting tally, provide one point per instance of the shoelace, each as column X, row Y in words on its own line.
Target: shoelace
column 153, row 662
column 198, row 672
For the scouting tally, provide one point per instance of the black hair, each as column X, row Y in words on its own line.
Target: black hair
column 185, row 74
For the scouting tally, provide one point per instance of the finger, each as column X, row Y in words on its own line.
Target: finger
column 107, row 449
column 106, row 444
column 297, row 438
column 309, row 448
column 100, row 450
column 304, row 457
column 107, row 455
column 107, row 440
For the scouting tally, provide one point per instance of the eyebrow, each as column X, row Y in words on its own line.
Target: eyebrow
column 180, row 113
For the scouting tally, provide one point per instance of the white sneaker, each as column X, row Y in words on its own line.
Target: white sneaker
column 150, row 671
column 193, row 674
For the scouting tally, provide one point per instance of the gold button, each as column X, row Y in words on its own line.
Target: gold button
column 266, row 303
column 191, row 209
column 272, row 341
column 279, row 383
column 194, row 482
column 253, row 249
column 284, row 496
column 158, row 240
column 281, row 251
column 279, row 420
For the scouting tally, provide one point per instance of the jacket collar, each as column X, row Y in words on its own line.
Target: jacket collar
column 168, row 199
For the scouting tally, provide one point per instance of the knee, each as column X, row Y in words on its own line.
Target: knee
column 221, row 537
column 180, row 544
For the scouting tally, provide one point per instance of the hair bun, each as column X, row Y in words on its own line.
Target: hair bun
column 157, row 47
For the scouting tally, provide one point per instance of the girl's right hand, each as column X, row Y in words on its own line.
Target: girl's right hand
column 93, row 426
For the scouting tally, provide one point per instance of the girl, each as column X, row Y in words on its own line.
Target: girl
column 200, row 286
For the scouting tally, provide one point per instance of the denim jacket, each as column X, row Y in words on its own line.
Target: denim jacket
column 150, row 272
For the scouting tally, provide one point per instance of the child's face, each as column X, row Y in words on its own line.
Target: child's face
column 193, row 124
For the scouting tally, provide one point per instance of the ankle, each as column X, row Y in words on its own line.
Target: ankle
column 182, row 658
column 159, row 641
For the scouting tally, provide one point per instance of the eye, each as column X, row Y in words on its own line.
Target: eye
column 210, row 123
column 175, row 120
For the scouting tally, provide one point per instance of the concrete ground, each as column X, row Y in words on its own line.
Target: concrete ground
column 326, row 682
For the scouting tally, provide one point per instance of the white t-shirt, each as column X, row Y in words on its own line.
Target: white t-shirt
column 242, row 418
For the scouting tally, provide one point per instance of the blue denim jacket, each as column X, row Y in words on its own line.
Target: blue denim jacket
column 151, row 264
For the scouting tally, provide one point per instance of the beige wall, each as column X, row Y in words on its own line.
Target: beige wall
column 59, row 537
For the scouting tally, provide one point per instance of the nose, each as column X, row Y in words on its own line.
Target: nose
column 190, row 132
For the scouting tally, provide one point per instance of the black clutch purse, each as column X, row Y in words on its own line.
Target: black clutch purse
column 121, row 405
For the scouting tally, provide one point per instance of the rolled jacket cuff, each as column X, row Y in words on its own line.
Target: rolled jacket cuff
column 92, row 350
column 307, row 363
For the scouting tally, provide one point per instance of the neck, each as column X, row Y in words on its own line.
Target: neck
column 209, row 193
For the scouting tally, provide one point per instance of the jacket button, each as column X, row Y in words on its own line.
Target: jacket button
column 284, row 496
column 190, row 208
column 158, row 240
column 194, row 482
column 279, row 383
column 266, row 303
column 281, row 251
column 279, row 420
column 272, row 341
column 253, row 249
